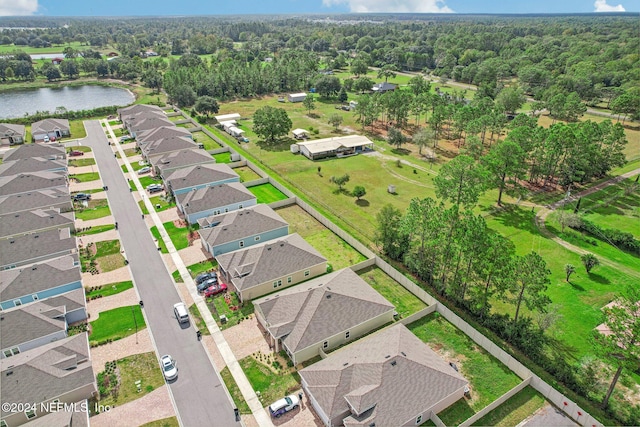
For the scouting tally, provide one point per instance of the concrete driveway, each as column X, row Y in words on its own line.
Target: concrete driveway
column 199, row 396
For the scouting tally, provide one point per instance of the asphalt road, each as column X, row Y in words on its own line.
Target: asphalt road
column 199, row 397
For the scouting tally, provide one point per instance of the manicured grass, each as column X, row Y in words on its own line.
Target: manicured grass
column 156, row 200
column 223, row 158
column 77, row 129
column 515, row 410
column 219, row 306
column 110, row 289
column 138, row 367
column 107, row 247
column 580, row 301
column 488, row 378
column 178, row 236
column 86, row 177
column 96, row 209
column 82, row 148
column 405, row 302
column 136, row 166
column 195, row 269
column 234, row 391
column 204, row 139
column 129, row 152
column 96, row 230
column 267, row 193
column 338, row 253
column 147, row 180
column 200, row 325
column 81, row 162
column 246, row 174
column 271, row 386
column 56, row 48
column 165, row 422
column 116, row 324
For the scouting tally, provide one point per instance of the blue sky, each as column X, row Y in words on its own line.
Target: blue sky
column 209, row 7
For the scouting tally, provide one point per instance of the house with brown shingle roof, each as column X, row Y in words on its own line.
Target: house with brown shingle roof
column 270, row 266
column 11, row 134
column 322, row 314
column 60, row 371
column 389, row 378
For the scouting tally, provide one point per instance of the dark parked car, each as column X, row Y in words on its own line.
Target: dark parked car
column 215, row 290
column 207, row 283
column 154, row 188
column 205, row 276
column 76, row 153
column 81, row 196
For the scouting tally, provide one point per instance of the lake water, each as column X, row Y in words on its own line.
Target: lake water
column 47, row 55
column 17, row 103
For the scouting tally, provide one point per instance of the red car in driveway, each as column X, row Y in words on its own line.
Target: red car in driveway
column 215, row 290
column 75, row 153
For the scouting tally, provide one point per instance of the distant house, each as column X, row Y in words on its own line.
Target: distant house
column 300, row 134
column 389, row 378
column 57, row 61
column 167, row 145
column 52, row 128
column 215, row 200
column 11, row 134
column 161, row 132
column 132, row 110
column 112, row 54
column 60, row 371
column 36, row 248
column 165, row 163
column 30, row 326
column 331, row 147
column 27, row 151
column 146, row 121
column 33, row 164
column 17, row 223
column 261, row 269
column 383, row 87
column 228, row 117
column 47, row 279
column 199, row 176
column 240, row 229
column 297, row 97
column 27, row 182
column 322, row 314
column 53, row 198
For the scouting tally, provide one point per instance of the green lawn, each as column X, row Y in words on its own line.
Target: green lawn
column 204, row 139
column 219, row 306
column 82, row 148
column 146, row 180
column 338, row 253
column 86, row 177
column 76, row 127
column 267, row 193
column 107, row 247
column 246, row 174
column 271, row 386
column 96, row 230
column 129, row 152
column 195, row 269
column 165, row 422
column 160, row 204
column 515, row 410
column 488, row 378
column 108, row 290
column 178, row 236
column 405, row 302
column 223, row 157
column 56, row 48
column 136, row 166
column 234, row 391
column 200, row 324
column 81, row 162
column 96, row 209
column 116, row 324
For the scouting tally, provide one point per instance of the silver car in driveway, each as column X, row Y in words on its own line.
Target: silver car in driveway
column 169, row 368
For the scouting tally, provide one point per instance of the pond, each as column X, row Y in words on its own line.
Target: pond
column 21, row 102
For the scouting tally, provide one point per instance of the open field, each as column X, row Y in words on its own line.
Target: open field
column 56, row 48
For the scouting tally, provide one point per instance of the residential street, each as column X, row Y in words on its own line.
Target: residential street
column 199, row 396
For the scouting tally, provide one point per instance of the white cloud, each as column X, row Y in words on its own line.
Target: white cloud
column 18, row 7
column 393, row 6
column 602, row 6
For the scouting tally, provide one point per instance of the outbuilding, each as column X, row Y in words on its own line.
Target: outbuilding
column 300, row 134
column 297, row 97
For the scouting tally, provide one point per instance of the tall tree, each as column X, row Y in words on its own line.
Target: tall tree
column 271, row 123
column 423, row 138
column 620, row 344
column 340, row 181
column 510, row 99
column 386, row 71
column 309, row 103
column 589, row 261
column 335, row 120
column 389, row 234
column 359, row 67
column 505, row 160
column 206, row 105
column 532, row 278
column 461, row 181
column 396, row 137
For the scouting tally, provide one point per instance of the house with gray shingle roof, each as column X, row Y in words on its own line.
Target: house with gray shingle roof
column 53, row 128
column 66, row 417
column 239, row 229
column 33, row 164
column 36, row 247
column 215, row 200
column 199, row 176
column 33, row 325
column 27, row 151
column 322, row 314
column 146, row 121
column 52, row 198
column 23, row 285
column 161, row 133
column 389, row 378
column 270, row 266
column 27, row 182
column 165, row 163
column 124, row 112
column 167, row 145
column 11, row 134
column 17, row 223
column 59, row 371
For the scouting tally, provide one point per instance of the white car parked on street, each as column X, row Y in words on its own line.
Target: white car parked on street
column 169, row 368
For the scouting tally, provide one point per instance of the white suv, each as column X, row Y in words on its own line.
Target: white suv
column 180, row 310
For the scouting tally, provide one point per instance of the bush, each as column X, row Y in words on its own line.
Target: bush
column 619, row 238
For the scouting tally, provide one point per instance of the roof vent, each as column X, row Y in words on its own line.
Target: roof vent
column 345, row 364
column 281, row 244
column 267, row 248
column 394, row 363
column 329, row 296
column 387, row 356
column 34, row 268
column 403, row 353
column 12, row 241
column 17, row 215
column 36, row 236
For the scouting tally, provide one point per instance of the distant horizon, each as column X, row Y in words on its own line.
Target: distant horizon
column 163, row 8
